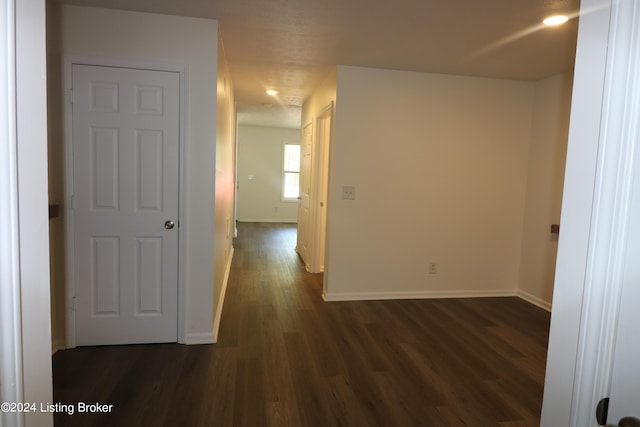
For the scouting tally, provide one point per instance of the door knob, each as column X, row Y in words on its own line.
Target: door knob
column 169, row 224
column 626, row 422
column 629, row 422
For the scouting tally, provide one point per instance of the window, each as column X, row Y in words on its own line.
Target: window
column 291, row 172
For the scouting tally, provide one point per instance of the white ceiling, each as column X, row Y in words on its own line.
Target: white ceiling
column 291, row 45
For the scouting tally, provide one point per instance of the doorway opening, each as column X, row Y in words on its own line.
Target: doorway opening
column 314, row 190
column 266, row 175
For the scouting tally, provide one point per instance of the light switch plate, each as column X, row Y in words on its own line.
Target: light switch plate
column 348, row 192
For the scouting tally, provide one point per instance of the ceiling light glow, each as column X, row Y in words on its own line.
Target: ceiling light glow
column 272, row 92
column 555, row 20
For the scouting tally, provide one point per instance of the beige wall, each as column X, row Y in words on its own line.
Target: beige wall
column 260, row 155
column 440, row 166
column 133, row 37
column 224, row 184
column 547, row 155
column 321, row 97
column 472, row 169
column 56, row 178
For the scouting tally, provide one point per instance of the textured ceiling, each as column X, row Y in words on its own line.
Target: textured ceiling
column 291, row 45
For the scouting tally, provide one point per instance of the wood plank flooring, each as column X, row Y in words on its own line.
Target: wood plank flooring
column 286, row 358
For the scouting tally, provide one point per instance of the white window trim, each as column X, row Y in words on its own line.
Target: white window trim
column 283, row 172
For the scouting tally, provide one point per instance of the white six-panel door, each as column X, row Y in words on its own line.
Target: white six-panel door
column 125, row 200
column 304, row 213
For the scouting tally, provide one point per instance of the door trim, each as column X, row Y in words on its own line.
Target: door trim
column 70, row 288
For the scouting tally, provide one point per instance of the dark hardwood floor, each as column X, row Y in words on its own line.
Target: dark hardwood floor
column 286, row 358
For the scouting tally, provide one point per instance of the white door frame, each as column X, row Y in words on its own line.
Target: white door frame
column 70, row 286
column 596, row 207
column 11, row 381
column 25, row 333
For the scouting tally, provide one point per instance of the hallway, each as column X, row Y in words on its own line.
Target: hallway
column 286, row 358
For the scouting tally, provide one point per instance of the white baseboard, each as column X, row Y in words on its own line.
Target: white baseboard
column 56, row 345
column 371, row 296
column 200, row 338
column 220, row 304
column 539, row 302
column 284, row 221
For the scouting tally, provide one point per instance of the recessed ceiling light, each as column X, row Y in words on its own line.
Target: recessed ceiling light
column 272, row 91
column 555, row 20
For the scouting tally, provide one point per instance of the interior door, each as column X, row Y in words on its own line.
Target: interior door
column 304, row 215
column 594, row 337
column 125, row 204
column 625, row 379
column 323, row 142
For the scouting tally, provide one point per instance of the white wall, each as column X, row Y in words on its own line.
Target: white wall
column 176, row 41
column 260, row 155
column 547, row 156
column 440, row 166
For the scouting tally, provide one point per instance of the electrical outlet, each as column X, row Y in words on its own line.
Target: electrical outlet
column 433, row 267
column 348, row 192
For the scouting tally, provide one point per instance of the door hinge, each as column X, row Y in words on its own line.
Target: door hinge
column 73, row 303
column 71, row 96
column 73, row 201
column 602, row 410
